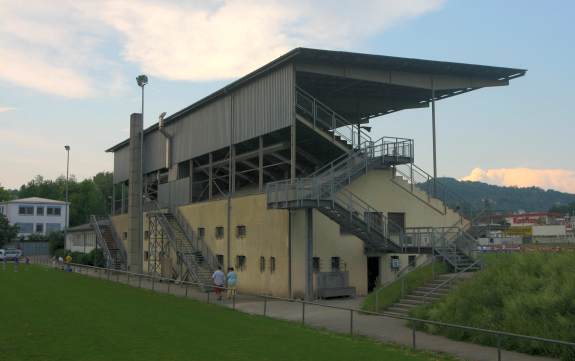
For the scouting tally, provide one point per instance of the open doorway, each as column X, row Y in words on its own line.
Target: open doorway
column 372, row 273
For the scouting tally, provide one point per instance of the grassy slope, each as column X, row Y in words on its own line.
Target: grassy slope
column 390, row 294
column 529, row 293
column 51, row 315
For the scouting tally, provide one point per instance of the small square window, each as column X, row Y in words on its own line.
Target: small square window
column 53, row 211
column 26, row 210
column 241, row 263
column 316, row 264
column 201, row 233
column 220, row 259
column 219, row 232
column 335, row 263
column 146, row 234
column 146, row 255
column 411, row 261
column 125, row 235
column 272, row 264
column 39, row 211
column 39, row 227
column 262, row 264
column 240, row 231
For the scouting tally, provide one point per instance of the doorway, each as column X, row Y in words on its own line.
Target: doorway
column 372, row 273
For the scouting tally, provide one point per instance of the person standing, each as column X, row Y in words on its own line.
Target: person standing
column 68, row 260
column 232, row 279
column 218, row 278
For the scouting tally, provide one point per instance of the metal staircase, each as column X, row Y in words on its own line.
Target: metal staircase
column 191, row 252
column 324, row 190
column 109, row 242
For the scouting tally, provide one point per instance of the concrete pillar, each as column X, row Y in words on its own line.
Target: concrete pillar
column 309, row 255
column 135, row 215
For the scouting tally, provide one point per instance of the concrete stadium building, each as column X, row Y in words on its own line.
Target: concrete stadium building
column 277, row 175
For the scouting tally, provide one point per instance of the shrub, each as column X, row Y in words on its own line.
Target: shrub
column 56, row 242
column 527, row 293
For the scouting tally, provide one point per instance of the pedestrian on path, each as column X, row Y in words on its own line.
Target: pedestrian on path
column 232, row 279
column 218, row 278
column 16, row 263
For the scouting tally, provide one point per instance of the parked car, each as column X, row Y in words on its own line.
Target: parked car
column 10, row 254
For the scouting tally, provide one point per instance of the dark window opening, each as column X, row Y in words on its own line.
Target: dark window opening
column 241, row 231
column 219, row 232
column 316, row 264
column 272, row 264
column 335, row 263
column 184, row 169
column 411, row 261
column 262, row 264
column 201, row 233
column 220, row 259
column 241, row 263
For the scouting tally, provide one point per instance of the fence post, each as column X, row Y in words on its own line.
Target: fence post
column 153, row 282
column 128, row 274
column 187, row 290
column 498, row 347
column 265, row 305
column 413, row 335
column 169, row 285
column 208, row 297
column 376, row 308
column 303, row 313
column 108, row 270
column 351, row 322
column 234, row 300
column 139, row 281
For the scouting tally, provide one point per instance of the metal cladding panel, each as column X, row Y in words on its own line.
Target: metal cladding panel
column 264, row 105
column 201, row 131
column 154, row 151
column 121, row 162
column 174, row 193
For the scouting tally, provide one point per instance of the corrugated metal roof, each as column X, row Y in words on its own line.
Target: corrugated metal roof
column 330, row 57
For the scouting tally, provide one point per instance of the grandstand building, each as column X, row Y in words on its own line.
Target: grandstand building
column 277, row 176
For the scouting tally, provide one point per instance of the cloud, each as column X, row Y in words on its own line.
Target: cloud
column 6, row 109
column 64, row 48
column 558, row 179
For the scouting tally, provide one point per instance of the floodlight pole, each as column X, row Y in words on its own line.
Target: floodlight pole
column 67, row 207
column 434, row 139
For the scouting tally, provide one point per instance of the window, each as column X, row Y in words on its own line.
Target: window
column 241, row 263
column 39, row 211
column 316, row 264
column 25, row 227
column 26, row 210
column 220, row 259
column 1, row 209
column 39, row 228
column 52, row 227
column 146, row 255
column 241, row 231
column 125, row 235
column 201, row 233
column 219, row 232
column 395, row 262
column 184, row 169
column 335, row 263
column 53, row 211
column 411, row 261
column 262, row 264
column 147, row 234
column 272, row 264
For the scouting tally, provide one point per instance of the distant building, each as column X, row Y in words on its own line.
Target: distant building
column 532, row 218
column 81, row 238
column 35, row 215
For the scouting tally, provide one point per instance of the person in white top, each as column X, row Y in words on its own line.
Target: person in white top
column 219, row 279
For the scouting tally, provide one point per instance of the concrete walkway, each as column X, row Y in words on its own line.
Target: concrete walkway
column 382, row 328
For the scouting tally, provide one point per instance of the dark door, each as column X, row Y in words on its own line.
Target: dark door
column 372, row 273
column 397, row 218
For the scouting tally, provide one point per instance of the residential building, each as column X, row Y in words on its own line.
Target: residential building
column 35, row 215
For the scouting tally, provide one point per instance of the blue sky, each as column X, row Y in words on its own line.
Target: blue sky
column 67, row 75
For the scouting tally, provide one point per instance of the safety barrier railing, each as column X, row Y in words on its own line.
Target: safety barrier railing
column 415, row 323
column 100, row 240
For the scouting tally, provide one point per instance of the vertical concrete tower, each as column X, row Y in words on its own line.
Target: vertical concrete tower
column 135, row 215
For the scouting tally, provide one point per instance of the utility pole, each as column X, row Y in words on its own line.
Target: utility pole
column 67, row 206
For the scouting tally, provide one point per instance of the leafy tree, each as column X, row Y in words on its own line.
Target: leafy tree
column 564, row 209
column 5, row 194
column 56, row 242
column 8, row 232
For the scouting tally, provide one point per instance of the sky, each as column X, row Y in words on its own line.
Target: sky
column 68, row 68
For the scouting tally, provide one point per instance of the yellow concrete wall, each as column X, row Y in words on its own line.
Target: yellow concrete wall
column 266, row 236
column 120, row 223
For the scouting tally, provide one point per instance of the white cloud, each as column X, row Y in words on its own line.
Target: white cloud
column 62, row 47
column 558, row 179
column 6, row 109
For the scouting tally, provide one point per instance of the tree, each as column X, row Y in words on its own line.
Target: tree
column 8, row 232
column 5, row 194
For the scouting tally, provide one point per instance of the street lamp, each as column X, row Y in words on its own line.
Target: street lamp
column 66, row 221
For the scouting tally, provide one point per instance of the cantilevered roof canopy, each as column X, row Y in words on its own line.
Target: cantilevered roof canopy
column 363, row 86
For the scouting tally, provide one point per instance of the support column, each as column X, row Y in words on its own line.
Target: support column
column 135, row 215
column 434, row 139
column 261, row 164
column 309, row 254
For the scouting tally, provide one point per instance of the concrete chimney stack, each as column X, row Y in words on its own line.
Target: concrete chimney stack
column 135, row 214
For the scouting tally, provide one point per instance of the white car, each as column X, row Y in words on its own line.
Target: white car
column 10, row 254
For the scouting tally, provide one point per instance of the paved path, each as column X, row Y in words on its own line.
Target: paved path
column 387, row 329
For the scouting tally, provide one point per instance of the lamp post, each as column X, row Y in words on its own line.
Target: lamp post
column 67, row 147
column 142, row 81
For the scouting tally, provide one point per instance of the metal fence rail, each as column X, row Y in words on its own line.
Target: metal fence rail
column 114, row 275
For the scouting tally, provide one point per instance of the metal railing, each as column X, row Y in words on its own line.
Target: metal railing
column 323, row 117
column 101, row 241
column 109, row 274
column 452, row 278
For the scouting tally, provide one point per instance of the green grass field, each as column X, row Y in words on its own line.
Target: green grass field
column 50, row 315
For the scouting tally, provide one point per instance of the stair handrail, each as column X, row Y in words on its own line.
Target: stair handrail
column 336, row 120
column 452, row 278
column 100, row 240
column 119, row 243
column 167, row 228
column 196, row 243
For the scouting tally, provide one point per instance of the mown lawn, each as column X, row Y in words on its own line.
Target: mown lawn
column 391, row 293
column 50, row 315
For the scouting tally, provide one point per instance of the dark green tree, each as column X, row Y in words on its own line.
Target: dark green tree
column 8, row 232
column 5, row 194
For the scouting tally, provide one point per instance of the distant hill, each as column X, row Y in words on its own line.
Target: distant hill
column 508, row 198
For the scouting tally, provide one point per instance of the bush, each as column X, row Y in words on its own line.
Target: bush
column 527, row 293
column 56, row 242
column 35, row 238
